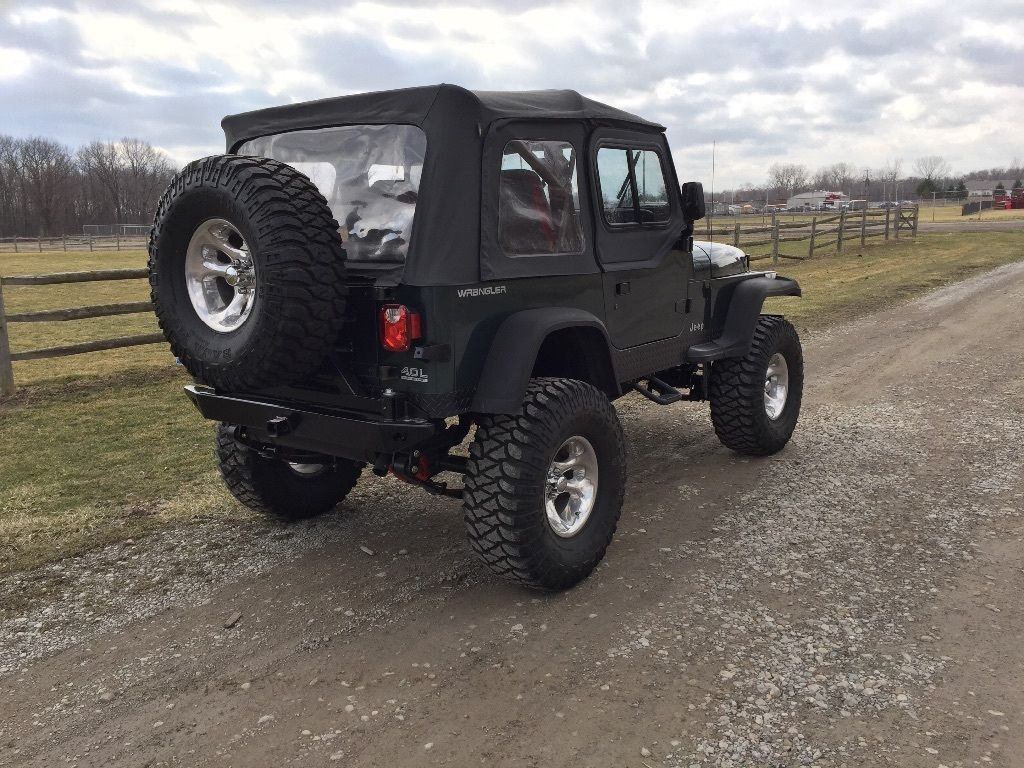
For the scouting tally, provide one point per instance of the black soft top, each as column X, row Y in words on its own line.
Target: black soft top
column 417, row 106
column 456, row 213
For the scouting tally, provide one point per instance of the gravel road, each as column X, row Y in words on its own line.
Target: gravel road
column 852, row 601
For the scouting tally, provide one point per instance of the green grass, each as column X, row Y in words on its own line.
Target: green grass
column 862, row 280
column 27, row 336
column 101, row 447
column 84, row 465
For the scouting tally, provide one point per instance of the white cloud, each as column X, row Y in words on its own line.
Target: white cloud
column 773, row 81
column 14, row 63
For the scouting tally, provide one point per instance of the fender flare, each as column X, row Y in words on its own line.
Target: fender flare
column 513, row 353
column 744, row 310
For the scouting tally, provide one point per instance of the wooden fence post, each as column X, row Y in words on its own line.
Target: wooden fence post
column 917, row 218
column 15, row 243
column 6, row 370
column 775, row 238
column 842, row 226
column 736, row 235
column 899, row 220
column 64, row 242
column 864, row 225
column 887, row 211
column 90, row 243
column 117, row 236
column 814, row 228
column 39, row 241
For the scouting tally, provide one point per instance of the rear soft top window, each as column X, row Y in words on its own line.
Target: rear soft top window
column 370, row 175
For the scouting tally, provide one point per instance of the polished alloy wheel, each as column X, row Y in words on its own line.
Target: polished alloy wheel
column 220, row 275
column 776, row 386
column 571, row 486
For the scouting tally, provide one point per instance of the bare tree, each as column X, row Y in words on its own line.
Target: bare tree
column 101, row 164
column 933, row 168
column 788, row 177
column 890, row 174
column 892, row 171
column 47, row 189
column 46, row 167
column 145, row 173
column 837, row 177
column 10, row 184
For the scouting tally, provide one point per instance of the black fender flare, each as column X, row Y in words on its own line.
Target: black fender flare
column 513, row 352
column 744, row 309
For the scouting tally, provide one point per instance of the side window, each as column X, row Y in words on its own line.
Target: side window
column 538, row 199
column 633, row 188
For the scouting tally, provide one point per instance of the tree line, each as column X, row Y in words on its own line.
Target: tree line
column 927, row 176
column 47, row 188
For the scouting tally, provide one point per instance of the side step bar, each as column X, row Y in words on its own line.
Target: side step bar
column 659, row 391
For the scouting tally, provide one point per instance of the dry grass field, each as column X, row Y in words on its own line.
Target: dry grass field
column 946, row 213
column 938, row 213
column 104, row 446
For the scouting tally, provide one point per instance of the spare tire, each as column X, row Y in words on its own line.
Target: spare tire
column 247, row 272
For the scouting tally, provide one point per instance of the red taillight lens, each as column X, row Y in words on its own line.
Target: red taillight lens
column 399, row 327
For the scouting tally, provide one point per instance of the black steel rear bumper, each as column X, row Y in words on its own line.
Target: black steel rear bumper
column 351, row 435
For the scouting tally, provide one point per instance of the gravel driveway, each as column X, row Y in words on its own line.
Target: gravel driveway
column 854, row 600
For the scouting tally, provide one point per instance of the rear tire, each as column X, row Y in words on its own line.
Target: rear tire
column 749, row 418
column 280, row 490
column 512, row 478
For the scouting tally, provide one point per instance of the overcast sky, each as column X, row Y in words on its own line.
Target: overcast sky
column 809, row 82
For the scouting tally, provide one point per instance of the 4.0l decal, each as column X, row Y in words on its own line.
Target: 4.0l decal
column 409, row 373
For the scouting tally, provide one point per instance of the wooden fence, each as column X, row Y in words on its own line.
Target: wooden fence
column 76, row 313
column 72, row 243
column 802, row 238
column 781, row 240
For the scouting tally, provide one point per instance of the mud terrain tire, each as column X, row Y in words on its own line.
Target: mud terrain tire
column 274, row 488
column 738, row 405
column 504, row 501
column 283, row 225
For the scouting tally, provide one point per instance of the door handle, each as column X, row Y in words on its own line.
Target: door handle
column 622, row 289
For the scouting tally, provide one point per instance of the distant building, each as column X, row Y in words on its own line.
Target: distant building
column 818, row 199
column 986, row 187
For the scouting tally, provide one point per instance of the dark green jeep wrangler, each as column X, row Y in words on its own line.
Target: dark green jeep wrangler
column 367, row 280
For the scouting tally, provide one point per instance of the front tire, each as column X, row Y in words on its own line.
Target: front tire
column 755, row 399
column 285, row 491
column 544, row 488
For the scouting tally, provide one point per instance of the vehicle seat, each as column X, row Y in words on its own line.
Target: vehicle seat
column 525, row 224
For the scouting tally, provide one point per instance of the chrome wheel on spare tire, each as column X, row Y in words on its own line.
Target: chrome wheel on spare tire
column 247, row 272
column 220, row 275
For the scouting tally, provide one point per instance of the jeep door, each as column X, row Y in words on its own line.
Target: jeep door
column 638, row 223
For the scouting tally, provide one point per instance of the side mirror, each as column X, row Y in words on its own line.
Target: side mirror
column 693, row 201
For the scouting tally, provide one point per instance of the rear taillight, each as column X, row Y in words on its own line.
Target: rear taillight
column 399, row 327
